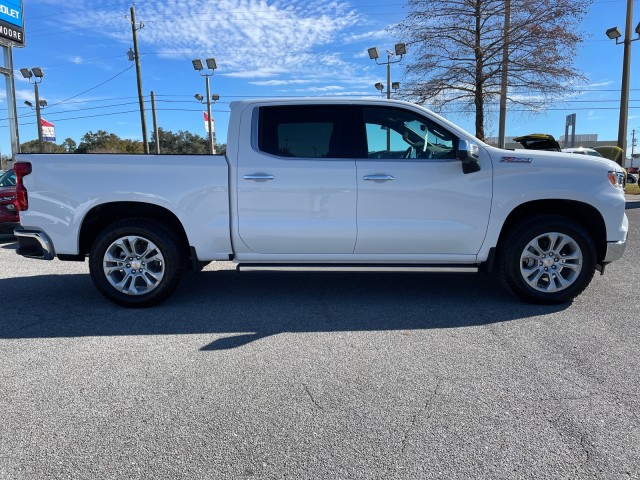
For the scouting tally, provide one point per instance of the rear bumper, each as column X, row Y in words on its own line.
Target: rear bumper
column 34, row 244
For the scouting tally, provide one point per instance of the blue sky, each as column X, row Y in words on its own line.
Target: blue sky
column 263, row 49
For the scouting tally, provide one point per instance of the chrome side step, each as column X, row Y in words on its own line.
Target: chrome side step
column 314, row 267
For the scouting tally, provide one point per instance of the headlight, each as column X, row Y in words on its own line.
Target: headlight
column 617, row 179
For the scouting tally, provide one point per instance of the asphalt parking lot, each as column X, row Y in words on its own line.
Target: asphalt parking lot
column 318, row 376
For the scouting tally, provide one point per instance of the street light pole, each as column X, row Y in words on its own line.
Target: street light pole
column 39, row 118
column 614, row 34
column 212, row 148
column 400, row 51
column 199, row 66
column 35, row 76
column 388, row 76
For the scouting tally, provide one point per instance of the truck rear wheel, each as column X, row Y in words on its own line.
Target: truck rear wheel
column 136, row 263
column 547, row 259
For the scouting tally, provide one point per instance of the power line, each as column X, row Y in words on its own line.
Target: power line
column 93, row 88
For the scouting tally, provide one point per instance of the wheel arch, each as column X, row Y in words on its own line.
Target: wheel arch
column 586, row 215
column 101, row 216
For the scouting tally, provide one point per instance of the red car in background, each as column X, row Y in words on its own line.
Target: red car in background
column 9, row 217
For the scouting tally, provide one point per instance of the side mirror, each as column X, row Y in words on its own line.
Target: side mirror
column 468, row 153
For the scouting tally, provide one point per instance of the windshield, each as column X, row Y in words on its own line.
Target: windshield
column 8, row 179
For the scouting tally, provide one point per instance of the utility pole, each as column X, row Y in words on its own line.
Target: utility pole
column 136, row 53
column 38, row 118
column 624, row 94
column 155, row 123
column 505, row 76
column 633, row 145
column 615, row 34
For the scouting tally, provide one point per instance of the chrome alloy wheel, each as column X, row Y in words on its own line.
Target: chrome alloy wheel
column 551, row 262
column 133, row 265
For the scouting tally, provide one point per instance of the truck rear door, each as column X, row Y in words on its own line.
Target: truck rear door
column 297, row 187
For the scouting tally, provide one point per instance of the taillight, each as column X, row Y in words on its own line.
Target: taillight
column 22, row 169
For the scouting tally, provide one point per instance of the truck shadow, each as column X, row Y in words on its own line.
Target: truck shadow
column 239, row 308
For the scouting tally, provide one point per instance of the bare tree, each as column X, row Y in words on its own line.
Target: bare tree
column 458, row 46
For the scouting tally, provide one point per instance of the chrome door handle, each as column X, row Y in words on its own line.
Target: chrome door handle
column 259, row 176
column 378, row 178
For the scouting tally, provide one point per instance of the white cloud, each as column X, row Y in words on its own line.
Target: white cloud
column 328, row 88
column 375, row 35
column 600, row 84
column 248, row 38
column 77, row 59
column 25, row 95
column 278, row 83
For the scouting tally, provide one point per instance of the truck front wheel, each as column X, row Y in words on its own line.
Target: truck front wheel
column 547, row 259
column 136, row 263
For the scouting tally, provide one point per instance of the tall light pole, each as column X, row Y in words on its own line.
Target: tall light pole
column 380, row 87
column 35, row 76
column 614, row 34
column 199, row 66
column 400, row 51
column 210, row 126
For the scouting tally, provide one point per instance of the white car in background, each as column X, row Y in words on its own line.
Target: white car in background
column 582, row 151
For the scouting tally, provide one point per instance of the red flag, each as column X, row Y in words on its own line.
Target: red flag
column 206, row 123
column 48, row 131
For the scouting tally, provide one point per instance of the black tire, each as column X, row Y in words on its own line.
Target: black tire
column 547, row 259
column 145, row 277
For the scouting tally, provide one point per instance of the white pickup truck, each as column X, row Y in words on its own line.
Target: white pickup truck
column 327, row 184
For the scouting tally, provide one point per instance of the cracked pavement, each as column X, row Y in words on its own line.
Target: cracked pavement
column 318, row 376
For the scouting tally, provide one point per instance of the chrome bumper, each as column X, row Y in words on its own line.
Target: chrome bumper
column 34, row 244
column 614, row 251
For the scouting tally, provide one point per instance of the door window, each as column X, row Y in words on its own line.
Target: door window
column 397, row 133
column 309, row 131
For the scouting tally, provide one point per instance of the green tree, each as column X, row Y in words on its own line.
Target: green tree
column 33, row 146
column 5, row 163
column 458, row 47
column 69, row 145
column 181, row 143
column 104, row 142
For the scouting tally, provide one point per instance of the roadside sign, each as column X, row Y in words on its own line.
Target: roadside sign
column 11, row 23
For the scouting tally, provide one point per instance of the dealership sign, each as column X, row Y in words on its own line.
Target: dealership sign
column 11, row 23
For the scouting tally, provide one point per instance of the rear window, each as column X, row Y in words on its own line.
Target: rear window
column 304, row 131
column 8, row 179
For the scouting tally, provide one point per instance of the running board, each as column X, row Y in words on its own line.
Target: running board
column 314, row 267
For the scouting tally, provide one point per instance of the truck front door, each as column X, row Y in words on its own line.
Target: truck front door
column 413, row 197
